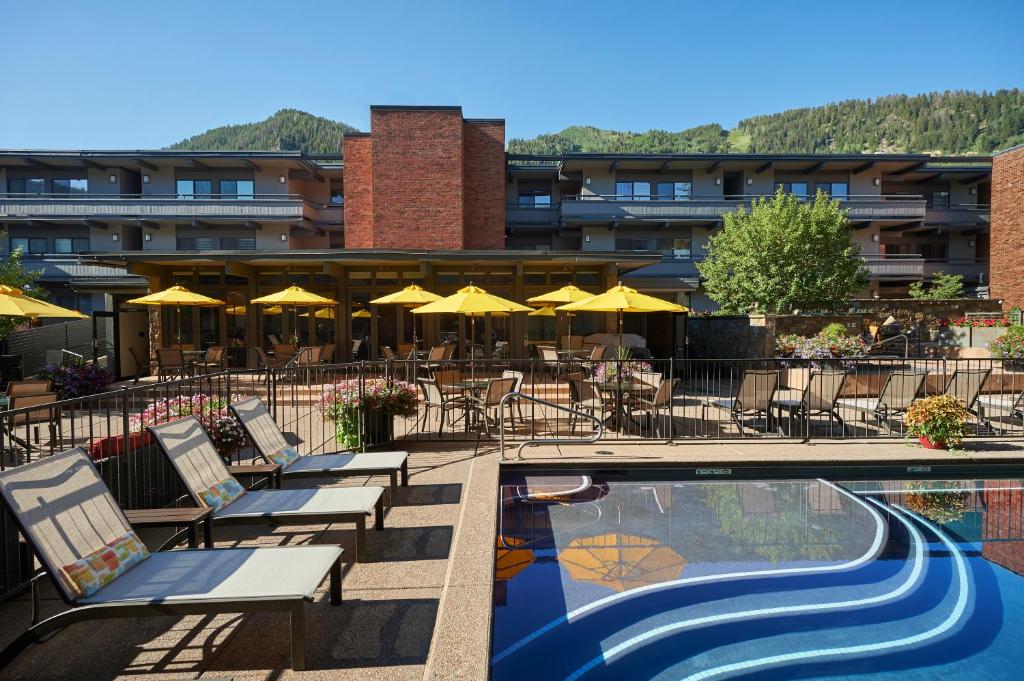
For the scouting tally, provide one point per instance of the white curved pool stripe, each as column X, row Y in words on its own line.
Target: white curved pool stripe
column 873, row 550
column 586, row 484
column 912, row 580
column 870, row 492
column 804, row 656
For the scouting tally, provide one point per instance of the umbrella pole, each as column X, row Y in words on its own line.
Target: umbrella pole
column 177, row 309
column 472, row 355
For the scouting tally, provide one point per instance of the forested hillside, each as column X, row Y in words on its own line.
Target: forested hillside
column 940, row 122
column 286, row 130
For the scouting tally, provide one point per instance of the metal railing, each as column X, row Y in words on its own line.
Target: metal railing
column 506, row 399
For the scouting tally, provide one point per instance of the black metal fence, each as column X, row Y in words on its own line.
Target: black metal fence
column 460, row 401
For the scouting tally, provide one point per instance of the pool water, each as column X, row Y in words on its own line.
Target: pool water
column 781, row 579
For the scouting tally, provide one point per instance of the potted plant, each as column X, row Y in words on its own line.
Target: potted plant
column 937, row 504
column 622, row 369
column 938, row 421
column 77, row 380
column 376, row 400
column 831, row 343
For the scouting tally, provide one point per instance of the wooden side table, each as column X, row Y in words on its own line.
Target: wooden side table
column 190, row 517
column 270, row 471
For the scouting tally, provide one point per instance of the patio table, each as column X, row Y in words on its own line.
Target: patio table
column 619, row 419
column 473, row 386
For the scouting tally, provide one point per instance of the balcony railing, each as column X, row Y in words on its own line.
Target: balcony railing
column 603, row 207
column 156, row 207
column 900, row 266
column 959, row 214
column 516, row 214
column 973, row 270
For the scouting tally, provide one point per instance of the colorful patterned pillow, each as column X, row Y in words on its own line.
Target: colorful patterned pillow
column 285, row 456
column 92, row 572
column 222, row 494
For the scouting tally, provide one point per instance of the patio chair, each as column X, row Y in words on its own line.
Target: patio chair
column 215, row 360
column 1001, row 407
column 204, row 474
column 585, row 397
column 501, row 350
column 753, row 397
column 446, row 380
column 518, row 377
column 434, row 358
column 271, row 444
column 449, row 351
column 141, row 365
column 572, row 342
column 170, row 363
column 287, row 350
column 47, row 412
column 274, row 339
column 67, row 516
column 388, row 353
column 490, row 402
column 900, row 390
column 435, row 398
column 29, row 386
column 549, row 359
column 819, row 398
column 654, row 402
column 966, row 385
column 327, row 353
column 597, row 355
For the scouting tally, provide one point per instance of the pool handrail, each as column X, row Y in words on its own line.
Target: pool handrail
column 543, row 441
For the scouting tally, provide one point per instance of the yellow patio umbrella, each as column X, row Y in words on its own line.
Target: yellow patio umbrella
column 177, row 296
column 361, row 314
column 471, row 301
column 14, row 303
column 510, row 559
column 295, row 297
column 620, row 299
column 561, row 296
column 620, row 561
column 236, row 311
column 322, row 313
column 543, row 312
column 412, row 296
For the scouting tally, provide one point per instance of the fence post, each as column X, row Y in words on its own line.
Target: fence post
column 361, row 421
column 671, row 406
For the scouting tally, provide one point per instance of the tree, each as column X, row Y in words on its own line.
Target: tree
column 785, row 254
column 943, row 287
column 13, row 273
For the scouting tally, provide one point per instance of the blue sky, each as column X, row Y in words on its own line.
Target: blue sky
column 144, row 74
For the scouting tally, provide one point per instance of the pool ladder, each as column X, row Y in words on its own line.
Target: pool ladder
column 599, row 430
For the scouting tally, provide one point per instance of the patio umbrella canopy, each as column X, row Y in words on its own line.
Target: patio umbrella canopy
column 294, row 296
column 621, row 561
column 14, row 303
column 177, row 296
column 473, row 302
column 543, row 312
column 622, row 299
column 562, row 296
column 412, row 296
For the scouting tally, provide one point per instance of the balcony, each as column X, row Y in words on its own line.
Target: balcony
column 895, row 266
column 604, row 208
column 516, row 214
column 973, row 270
column 259, row 207
column 965, row 215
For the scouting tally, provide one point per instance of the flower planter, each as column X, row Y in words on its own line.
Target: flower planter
column 106, row 447
column 981, row 336
column 928, row 444
column 377, row 430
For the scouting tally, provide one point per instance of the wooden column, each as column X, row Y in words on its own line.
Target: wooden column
column 518, row 324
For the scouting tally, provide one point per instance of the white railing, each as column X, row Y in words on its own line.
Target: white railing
column 258, row 206
column 615, row 207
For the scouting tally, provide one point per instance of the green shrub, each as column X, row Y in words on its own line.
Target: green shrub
column 834, row 331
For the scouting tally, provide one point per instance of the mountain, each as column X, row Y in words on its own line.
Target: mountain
column 286, row 130
column 955, row 123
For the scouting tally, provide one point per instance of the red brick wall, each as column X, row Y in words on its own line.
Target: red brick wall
column 484, row 184
column 1006, row 264
column 417, row 178
column 358, row 191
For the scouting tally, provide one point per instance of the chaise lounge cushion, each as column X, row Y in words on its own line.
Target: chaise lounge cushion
column 235, row 574
column 348, row 462
column 303, row 502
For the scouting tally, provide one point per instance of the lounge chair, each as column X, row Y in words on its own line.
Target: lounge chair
column 900, row 390
column 269, row 440
column 1001, row 407
column 202, row 470
column 753, row 396
column 63, row 509
column 966, row 385
column 819, row 398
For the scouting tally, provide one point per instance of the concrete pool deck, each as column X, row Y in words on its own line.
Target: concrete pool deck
column 420, row 608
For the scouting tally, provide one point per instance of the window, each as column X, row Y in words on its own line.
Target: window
column 70, row 186
column 633, row 191
column 534, row 200
column 26, row 185
column 674, row 191
column 188, row 189
column 680, row 247
column 29, row 246
column 936, row 199
column 337, row 193
column 238, row 243
column 70, row 244
column 837, row 190
column 631, row 244
column 798, row 188
column 196, row 243
column 185, row 189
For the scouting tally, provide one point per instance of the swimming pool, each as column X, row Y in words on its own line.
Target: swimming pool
column 659, row 579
